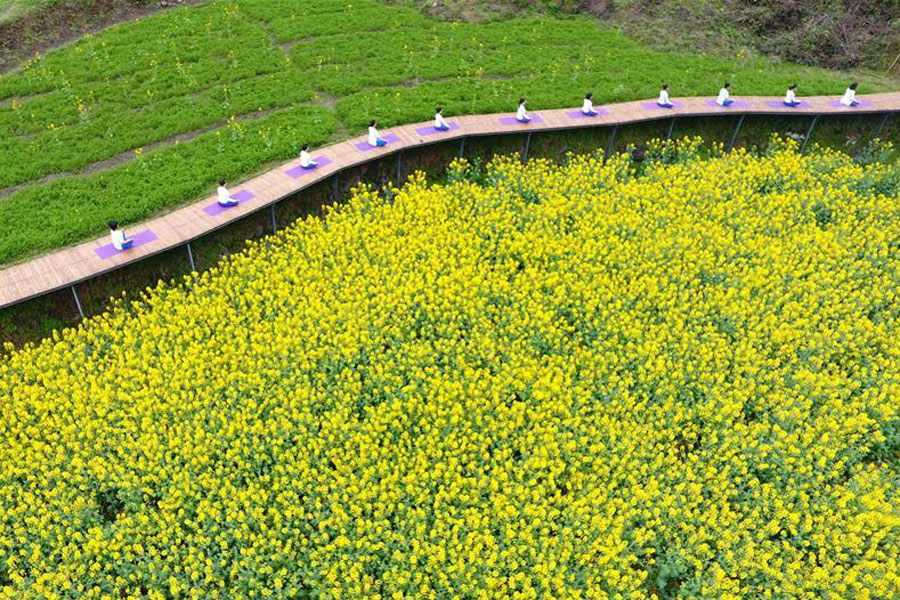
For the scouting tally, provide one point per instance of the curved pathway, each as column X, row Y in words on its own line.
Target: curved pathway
column 66, row 267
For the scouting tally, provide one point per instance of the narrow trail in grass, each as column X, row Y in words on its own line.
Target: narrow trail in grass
column 327, row 100
column 131, row 155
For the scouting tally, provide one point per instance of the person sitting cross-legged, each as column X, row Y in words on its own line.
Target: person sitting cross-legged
column 587, row 107
column 664, row 97
column 375, row 138
column 306, row 161
column 849, row 97
column 724, row 95
column 225, row 198
column 522, row 114
column 790, row 98
column 439, row 123
column 120, row 239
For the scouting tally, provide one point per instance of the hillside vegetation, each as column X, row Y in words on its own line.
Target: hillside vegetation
column 146, row 115
column 532, row 382
column 836, row 34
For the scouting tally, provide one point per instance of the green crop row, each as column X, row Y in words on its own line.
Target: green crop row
column 71, row 208
column 186, row 71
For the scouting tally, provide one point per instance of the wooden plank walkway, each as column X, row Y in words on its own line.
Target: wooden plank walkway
column 68, row 266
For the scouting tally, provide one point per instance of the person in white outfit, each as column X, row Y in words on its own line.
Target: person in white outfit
column 664, row 97
column 849, row 97
column 439, row 123
column 120, row 239
column 587, row 107
column 724, row 99
column 521, row 114
column 225, row 198
column 790, row 98
column 306, row 160
column 375, row 138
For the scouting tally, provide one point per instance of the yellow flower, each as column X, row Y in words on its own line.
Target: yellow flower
column 588, row 381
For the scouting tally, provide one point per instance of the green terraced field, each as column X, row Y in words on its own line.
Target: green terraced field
column 144, row 116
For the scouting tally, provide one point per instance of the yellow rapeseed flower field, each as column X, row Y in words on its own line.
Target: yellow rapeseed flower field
column 669, row 379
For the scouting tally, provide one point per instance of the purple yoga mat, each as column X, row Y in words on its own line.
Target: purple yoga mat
column 577, row 114
column 430, row 130
column 512, row 120
column 298, row 171
column 837, row 103
column 243, row 195
column 108, row 251
column 217, row 209
column 656, row 106
column 781, row 104
column 734, row 104
column 365, row 147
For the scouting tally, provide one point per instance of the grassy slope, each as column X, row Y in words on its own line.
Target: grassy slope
column 269, row 77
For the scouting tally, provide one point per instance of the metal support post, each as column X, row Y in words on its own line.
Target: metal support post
column 462, row 147
column 274, row 222
column 612, row 144
column 671, row 127
column 399, row 166
column 809, row 133
column 77, row 302
column 191, row 257
column 881, row 125
column 736, row 131
column 527, row 145
column 334, row 190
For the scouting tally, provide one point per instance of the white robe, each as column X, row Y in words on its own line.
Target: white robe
column 521, row 114
column 118, row 238
column 305, row 159
column 723, row 96
column 587, row 107
column 849, row 97
column 374, row 136
column 224, row 196
column 663, row 97
column 439, row 121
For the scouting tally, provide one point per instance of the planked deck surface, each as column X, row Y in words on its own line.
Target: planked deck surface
column 68, row 266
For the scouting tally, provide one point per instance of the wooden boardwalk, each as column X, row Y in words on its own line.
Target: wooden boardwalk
column 68, row 266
